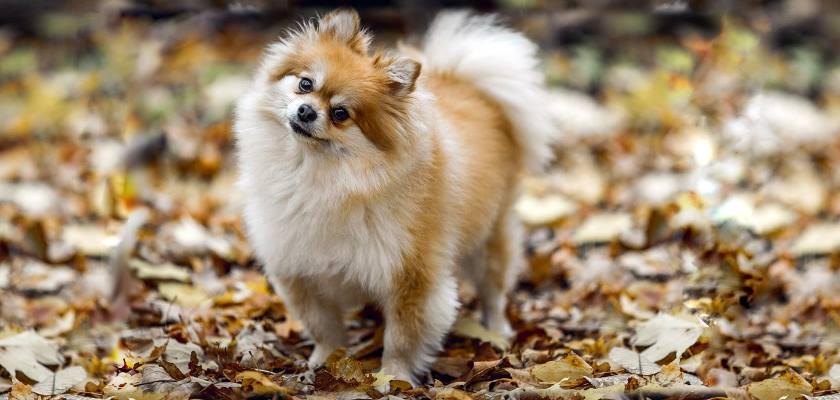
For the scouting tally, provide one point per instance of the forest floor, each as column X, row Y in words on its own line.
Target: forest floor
column 684, row 244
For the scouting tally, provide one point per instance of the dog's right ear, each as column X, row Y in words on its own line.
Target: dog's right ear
column 344, row 25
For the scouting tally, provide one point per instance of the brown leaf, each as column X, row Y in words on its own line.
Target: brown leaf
column 172, row 370
column 255, row 382
column 569, row 370
column 452, row 366
column 349, row 371
column 632, row 383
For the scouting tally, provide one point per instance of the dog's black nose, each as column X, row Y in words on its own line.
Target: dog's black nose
column 306, row 113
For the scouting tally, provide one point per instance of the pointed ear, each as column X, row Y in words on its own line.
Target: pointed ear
column 402, row 75
column 345, row 26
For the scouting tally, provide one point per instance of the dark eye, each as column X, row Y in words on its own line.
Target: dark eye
column 340, row 114
column 305, row 85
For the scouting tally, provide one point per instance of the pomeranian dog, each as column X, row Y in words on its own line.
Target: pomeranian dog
column 373, row 177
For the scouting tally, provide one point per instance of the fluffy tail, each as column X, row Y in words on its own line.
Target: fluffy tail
column 503, row 64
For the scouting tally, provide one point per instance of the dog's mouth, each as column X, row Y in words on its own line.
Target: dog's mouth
column 296, row 128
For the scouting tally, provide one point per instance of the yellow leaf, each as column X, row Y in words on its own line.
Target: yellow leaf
column 569, row 368
column 471, row 328
column 166, row 271
column 789, row 384
column 348, row 370
column 182, row 294
column 257, row 383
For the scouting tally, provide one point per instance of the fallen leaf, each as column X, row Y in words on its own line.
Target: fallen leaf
column 666, row 334
column 470, row 328
column 90, row 240
column 800, row 187
column 633, row 309
column 602, row 392
column 194, row 238
column 348, row 370
column 762, row 219
column 184, row 295
column 34, row 198
column 256, row 383
column 62, row 325
column 569, row 368
column 633, row 362
column 166, row 271
column 452, row 394
column 61, row 381
column 125, row 386
column 40, row 277
column 544, row 210
column 4, row 276
column 789, row 384
column 602, row 227
column 834, row 374
column 251, row 341
column 821, row 238
column 27, row 353
column 179, row 353
column 768, row 218
column 21, row 391
column 826, row 397
column 611, row 380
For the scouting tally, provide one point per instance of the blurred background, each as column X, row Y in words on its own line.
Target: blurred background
column 690, row 220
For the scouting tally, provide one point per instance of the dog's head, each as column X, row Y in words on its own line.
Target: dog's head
column 319, row 87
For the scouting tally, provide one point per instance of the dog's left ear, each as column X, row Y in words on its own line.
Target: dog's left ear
column 345, row 26
column 402, row 75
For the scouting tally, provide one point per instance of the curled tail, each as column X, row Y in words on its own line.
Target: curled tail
column 503, row 64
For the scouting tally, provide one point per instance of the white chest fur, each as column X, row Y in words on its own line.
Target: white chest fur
column 301, row 229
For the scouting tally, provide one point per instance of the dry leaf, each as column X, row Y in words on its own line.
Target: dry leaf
column 256, row 383
column 789, row 384
column 348, row 370
column 61, row 381
column 821, row 238
column 180, row 354
column 27, row 353
column 183, row 294
column 470, row 328
column 544, row 210
column 124, row 386
column 603, row 227
column 91, row 240
column 569, row 368
column 633, row 362
column 166, row 271
column 666, row 334
column 834, row 374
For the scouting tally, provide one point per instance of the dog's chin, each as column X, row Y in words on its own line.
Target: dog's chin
column 302, row 134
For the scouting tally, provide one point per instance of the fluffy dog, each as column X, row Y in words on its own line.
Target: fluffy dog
column 372, row 176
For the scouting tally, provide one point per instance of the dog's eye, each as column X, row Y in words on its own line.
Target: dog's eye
column 340, row 114
column 305, row 85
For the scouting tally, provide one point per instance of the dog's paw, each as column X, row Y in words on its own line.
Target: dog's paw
column 319, row 356
column 400, row 374
column 501, row 327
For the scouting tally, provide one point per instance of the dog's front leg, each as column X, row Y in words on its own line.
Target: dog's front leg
column 419, row 311
column 322, row 315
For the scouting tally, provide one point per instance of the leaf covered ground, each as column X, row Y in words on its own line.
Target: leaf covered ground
column 684, row 244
